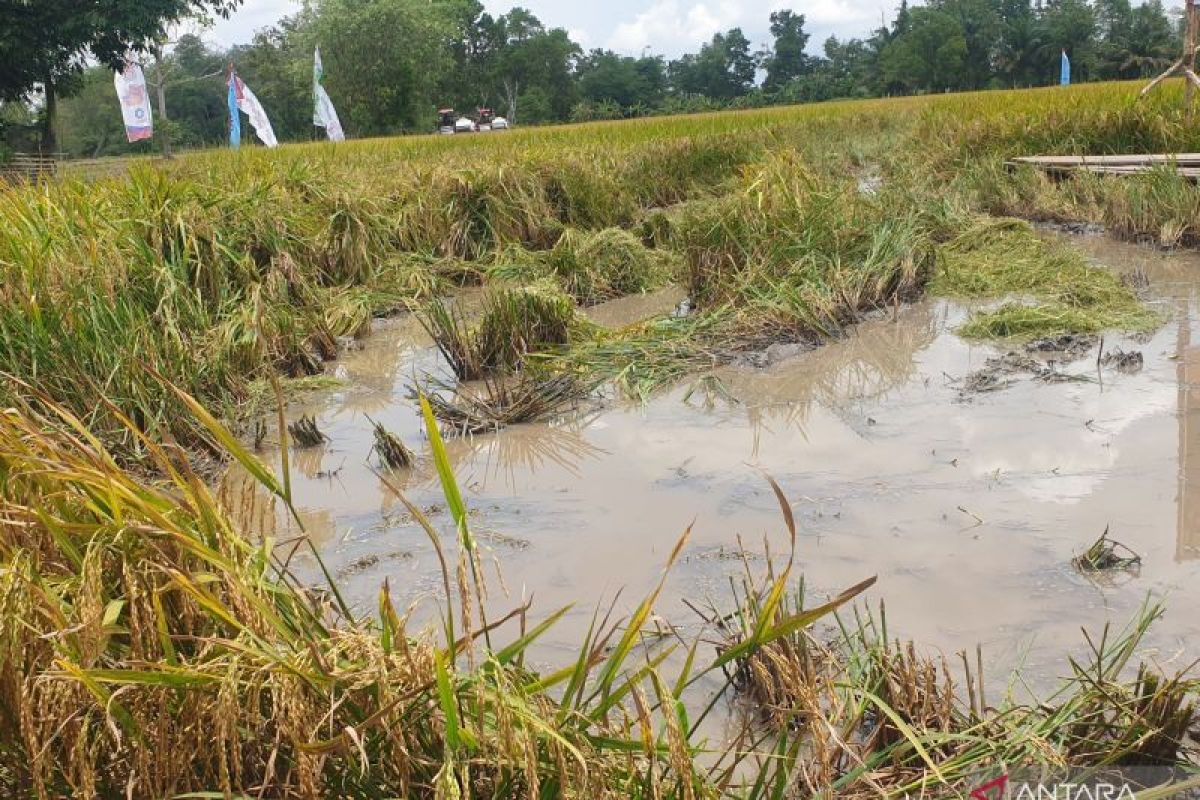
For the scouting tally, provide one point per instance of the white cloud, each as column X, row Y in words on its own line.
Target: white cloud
column 580, row 37
column 665, row 27
column 672, row 27
column 252, row 16
column 831, row 12
column 668, row 27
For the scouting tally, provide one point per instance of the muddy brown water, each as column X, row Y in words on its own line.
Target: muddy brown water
column 969, row 511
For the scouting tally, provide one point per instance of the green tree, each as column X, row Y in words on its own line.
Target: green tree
column 1133, row 41
column 383, row 60
column 980, row 23
column 47, row 43
column 1067, row 25
column 1016, row 55
column 723, row 69
column 89, row 122
column 629, row 82
column 930, row 56
column 535, row 68
column 787, row 59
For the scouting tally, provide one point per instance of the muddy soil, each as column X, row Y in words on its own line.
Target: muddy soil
column 969, row 512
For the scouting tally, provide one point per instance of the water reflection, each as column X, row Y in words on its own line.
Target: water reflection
column 525, row 449
column 1174, row 277
column 1189, row 442
column 875, row 358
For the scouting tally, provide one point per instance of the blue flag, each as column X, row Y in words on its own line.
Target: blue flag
column 1065, row 77
column 235, row 121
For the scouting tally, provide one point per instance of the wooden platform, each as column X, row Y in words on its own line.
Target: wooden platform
column 1186, row 164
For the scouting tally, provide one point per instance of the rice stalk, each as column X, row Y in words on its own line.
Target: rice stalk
column 389, row 447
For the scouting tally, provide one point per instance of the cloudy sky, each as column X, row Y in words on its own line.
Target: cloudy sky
column 669, row 27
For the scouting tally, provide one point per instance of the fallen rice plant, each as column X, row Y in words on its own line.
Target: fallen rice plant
column 389, row 447
column 305, row 433
column 218, row 272
column 1106, row 555
column 501, row 401
column 998, row 258
column 599, row 266
column 871, row 717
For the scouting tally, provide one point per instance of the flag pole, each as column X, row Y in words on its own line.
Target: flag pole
column 1189, row 52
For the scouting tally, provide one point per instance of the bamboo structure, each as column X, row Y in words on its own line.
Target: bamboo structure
column 1185, row 164
column 1186, row 65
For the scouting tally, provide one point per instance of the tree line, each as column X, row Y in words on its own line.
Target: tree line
column 390, row 63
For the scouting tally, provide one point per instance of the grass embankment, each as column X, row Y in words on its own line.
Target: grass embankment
column 969, row 145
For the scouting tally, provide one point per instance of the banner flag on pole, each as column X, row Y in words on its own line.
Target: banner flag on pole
column 242, row 99
column 235, row 120
column 135, row 102
column 324, row 114
column 1065, row 76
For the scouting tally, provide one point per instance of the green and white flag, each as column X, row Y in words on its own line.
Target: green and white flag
column 324, row 115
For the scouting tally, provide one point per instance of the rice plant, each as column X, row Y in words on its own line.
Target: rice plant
column 867, row 715
column 390, row 449
column 596, row 266
column 152, row 649
column 305, row 433
column 499, row 401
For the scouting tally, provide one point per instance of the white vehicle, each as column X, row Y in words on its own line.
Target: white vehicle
column 446, row 121
column 464, row 125
column 499, row 124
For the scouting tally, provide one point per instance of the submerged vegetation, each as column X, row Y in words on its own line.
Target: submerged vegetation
column 390, row 449
column 139, row 617
column 1060, row 292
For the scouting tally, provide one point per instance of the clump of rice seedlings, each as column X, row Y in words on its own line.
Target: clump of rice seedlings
column 1106, row 555
column 1160, row 206
column 597, row 266
column 305, row 433
column 1145, row 722
column 454, row 337
column 390, row 448
column 516, row 322
column 512, row 324
column 779, row 680
column 502, row 401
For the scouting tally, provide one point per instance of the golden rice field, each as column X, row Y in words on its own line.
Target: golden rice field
column 154, row 643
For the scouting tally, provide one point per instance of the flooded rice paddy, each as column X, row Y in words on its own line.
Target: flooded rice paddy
column 968, row 506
